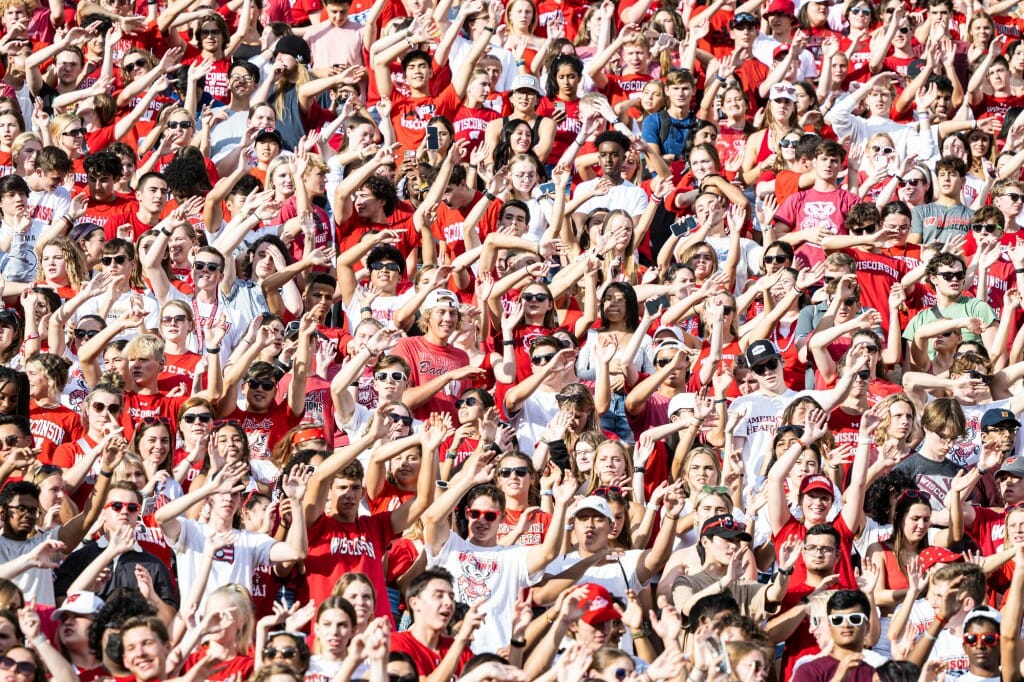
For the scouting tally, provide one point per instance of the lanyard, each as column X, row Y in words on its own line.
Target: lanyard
column 202, row 322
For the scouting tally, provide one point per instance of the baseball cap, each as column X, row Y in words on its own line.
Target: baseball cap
column 984, row 613
column 82, row 603
column 525, row 81
column 762, row 350
column 599, row 605
column 595, row 503
column 999, row 416
column 780, row 50
column 780, row 7
column 725, row 526
column 667, row 334
column 440, row 298
column 681, row 401
column 782, row 90
column 83, row 229
column 744, row 18
column 269, row 134
column 1013, row 466
column 294, row 46
column 817, row 482
column 938, row 555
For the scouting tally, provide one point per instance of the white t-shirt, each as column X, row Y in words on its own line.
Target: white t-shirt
column 536, row 411
column 237, row 323
column 34, row 581
column 762, row 422
column 750, row 258
column 121, row 307
column 495, row 573
column 46, row 207
column 233, row 564
column 625, row 196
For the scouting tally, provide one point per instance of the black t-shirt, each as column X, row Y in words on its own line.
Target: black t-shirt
column 123, row 573
column 932, row 477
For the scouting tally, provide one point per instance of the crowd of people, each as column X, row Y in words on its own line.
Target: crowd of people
column 421, row 340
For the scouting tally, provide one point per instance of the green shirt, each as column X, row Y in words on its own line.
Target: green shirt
column 964, row 307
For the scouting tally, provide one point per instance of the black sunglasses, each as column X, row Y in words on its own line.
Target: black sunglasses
column 978, row 376
column 1014, row 196
column 99, row 408
column 201, row 265
column 204, row 418
column 985, row 227
column 120, row 259
column 406, row 421
column 521, row 472
column 864, row 229
column 539, row 360
column 389, row 266
column 913, row 182
column 288, row 652
column 466, row 402
column 765, row 367
column 777, row 259
column 265, row 384
column 539, row 298
column 957, row 276
column 85, row 333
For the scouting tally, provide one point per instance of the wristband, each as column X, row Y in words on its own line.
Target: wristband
column 547, row 493
column 520, row 62
column 366, row 309
column 671, row 518
column 489, row 195
column 517, row 643
column 32, row 337
column 803, row 445
column 639, row 634
column 786, row 572
column 106, row 474
column 508, row 342
column 641, row 470
column 1019, row 271
column 864, row 440
column 213, row 349
column 491, row 29
column 719, row 401
column 653, row 507
column 720, row 79
column 165, row 232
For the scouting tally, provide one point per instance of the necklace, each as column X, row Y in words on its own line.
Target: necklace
column 791, row 336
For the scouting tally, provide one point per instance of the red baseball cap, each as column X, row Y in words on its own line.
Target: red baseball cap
column 599, row 605
column 817, row 482
column 938, row 555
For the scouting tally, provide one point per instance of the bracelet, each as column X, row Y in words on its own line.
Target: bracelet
column 508, row 342
column 671, row 518
column 491, row 29
column 32, row 337
column 652, row 507
column 489, row 195
column 366, row 309
column 785, row 572
column 720, row 79
column 656, row 199
column 408, row 40
column 639, row 634
column 517, row 643
column 864, row 440
column 929, row 636
column 163, row 230
column 803, row 445
column 640, row 470
column 538, row 249
column 1019, row 271
column 547, row 493
column 579, row 142
column 719, row 401
column 213, row 349
column 520, row 62
column 106, row 474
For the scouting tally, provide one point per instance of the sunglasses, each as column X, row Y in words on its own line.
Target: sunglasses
column 728, row 523
column 882, row 150
column 913, row 182
column 861, row 10
column 265, row 384
column 466, row 402
column 520, row 472
column 904, row 30
column 978, row 376
column 777, row 259
column 12, row 441
column 153, row 421
column 204, row 418
column 26, row 668
column 174, row 319
column 77, row 132
column 984, row 641
column 176, row 125
column 764, row 368
column 864, row 229
column 288, row 652
column 393, row 376
column 85, row 333
column 100, row 408
column 406, row 421
column 663, row 362
column 788, row 144
column 849, row 301
column 132, row 66
column 854, row 619
column 538, row 298
column 120, row 259
column 131, row 507
column 957, row 276
column 200, row 266
column 911, row 494
column 606, row 490
column 986, row 227
column 403, row 678
column 488, row 516
column 1014, row 196
column 390, row 267
column 728, row 309
column 539, row 360
column 864, row 374
column 22, row 509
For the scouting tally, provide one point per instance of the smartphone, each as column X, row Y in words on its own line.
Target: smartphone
column 683, row 227
column 410, row 155
column 433, row 141
column 559, row 105
column 547, row 188
column 724, row 667
column 653, row 305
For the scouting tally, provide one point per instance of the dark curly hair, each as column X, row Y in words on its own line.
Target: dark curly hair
column 121, row 605
column 878, row 499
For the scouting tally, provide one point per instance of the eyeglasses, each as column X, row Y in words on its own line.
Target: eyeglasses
column 764, row 368
column 1014, row 196
column 854, row 619
column 986, row 227
column 132, row 66
column 393, row 376
column 520, row 472
column 540, row 360
column 99, row 408
column 265, row 384
column 174, row 319
column 819, row 549
column 864, row 229
column 913, row 182
column 203, row 418
column 606, row 490
column 22, row 509
column 77, row 132
column 200, row 266
column 978, row 376
column 288, row 652
column 406, row 421
column 982, row 641
column 26, row 668
column 538, row 298
column 788, row 144
column 952, row 276
column 466, row 402
column 882, row 150
column 390, row 267
column 488, row 516
column 131, row 507
column 120, row 259
column 777, row 259
column 86, row 333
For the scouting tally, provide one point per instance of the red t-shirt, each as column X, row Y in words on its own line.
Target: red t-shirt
column 265, row 430
column 228, row 670
column 352, row 231
column 426, row 659
column 429, row 361
column 471, row 124
column 876, row 273
column 844, row 566
column 51, row 427
column 337, row 548
column 409, row 115
column 138, row 407
column 447, row 227
column 535, row 531
column 566, row 131
column 109, row 214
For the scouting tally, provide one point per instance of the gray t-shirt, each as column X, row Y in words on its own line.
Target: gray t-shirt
column 939, row 223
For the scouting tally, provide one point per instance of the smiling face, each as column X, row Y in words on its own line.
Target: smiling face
column 816, row 505
column 145, row 654
column 361, row 597
column 155, row 445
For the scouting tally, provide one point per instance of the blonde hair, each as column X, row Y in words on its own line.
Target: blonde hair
column 241, row 599
column 146, row 343
column 74, row 261
column 627, row 458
